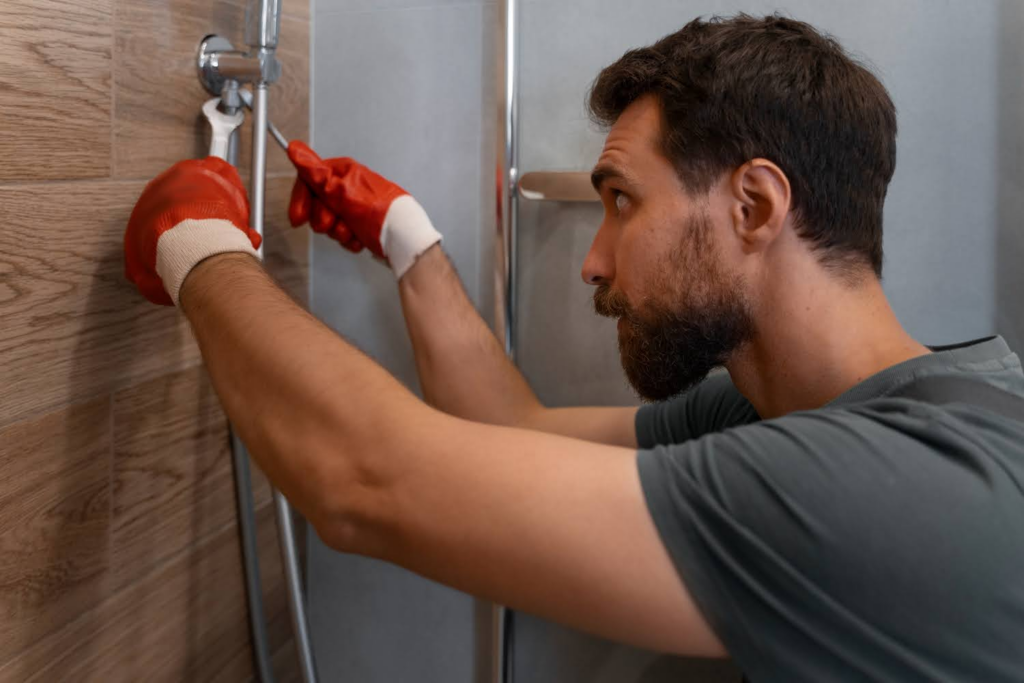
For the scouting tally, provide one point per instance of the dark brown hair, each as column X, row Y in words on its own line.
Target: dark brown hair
column 739, row 88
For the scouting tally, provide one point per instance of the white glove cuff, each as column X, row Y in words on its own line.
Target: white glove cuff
column 181, row 248
column 406, row 234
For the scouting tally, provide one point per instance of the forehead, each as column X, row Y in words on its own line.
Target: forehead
column 636, row 132
column 633, row 146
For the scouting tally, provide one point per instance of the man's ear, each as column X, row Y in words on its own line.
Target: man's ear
column 761, row 201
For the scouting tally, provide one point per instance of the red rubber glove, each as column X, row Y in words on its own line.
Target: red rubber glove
column 358, row 208
column 193, row 210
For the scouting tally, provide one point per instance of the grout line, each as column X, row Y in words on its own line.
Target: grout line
column 101, row 179
column 55, row 408
column 195, row 545
column 131, row 383
column 68, row 181
column 115, row 594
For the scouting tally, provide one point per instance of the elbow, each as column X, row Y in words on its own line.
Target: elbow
column 337, row 533
column 358, row 506
column 341, row 525
column 346, row 513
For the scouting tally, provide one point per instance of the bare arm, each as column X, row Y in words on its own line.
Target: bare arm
column 539, row 522
column 464, row 370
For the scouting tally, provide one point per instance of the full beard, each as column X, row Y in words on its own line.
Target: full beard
column 666, row 349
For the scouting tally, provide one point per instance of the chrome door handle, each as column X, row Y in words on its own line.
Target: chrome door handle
column 558, row 186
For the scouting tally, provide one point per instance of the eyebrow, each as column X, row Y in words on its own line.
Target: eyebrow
column 603, row 171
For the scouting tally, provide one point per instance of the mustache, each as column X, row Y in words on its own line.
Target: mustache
column 611, row 304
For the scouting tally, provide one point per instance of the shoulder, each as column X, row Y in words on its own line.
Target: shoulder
column 853, row 469
column 878, row 511
column 713, row 405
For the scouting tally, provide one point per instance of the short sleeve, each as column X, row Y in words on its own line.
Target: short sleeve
column 797, row 539
column 713, row 405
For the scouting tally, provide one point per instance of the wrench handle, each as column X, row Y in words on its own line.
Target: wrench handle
column 219, row 143
column 221, row 127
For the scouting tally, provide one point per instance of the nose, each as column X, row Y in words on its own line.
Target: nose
column 599, row 266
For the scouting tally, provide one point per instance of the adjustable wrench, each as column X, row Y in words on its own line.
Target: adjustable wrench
column 221, row 125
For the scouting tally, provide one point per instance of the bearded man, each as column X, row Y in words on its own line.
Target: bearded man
column 842, row 503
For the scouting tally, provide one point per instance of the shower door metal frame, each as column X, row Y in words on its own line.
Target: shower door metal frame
column 507, row 169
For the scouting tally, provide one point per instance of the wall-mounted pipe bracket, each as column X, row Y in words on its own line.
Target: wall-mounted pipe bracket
column 217, row 61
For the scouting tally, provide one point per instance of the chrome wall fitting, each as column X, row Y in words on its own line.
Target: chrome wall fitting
column 212, row 46
column 217, row 60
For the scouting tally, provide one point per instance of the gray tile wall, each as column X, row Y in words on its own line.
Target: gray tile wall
column 400, row 85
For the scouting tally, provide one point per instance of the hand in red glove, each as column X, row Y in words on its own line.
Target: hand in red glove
column 358, row 208
column 191, row 211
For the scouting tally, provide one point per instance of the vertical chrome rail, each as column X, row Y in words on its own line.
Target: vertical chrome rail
column 282, row 509
column 211, row 49
column 507, row 64
column 258, row 175
column 217, row 63
column 508, row 171
column 293, row 580
column 250, row 557
column 262, row 26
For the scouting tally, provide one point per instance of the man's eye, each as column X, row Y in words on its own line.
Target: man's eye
column 621, row 201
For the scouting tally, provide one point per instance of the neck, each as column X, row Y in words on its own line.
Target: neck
column 816, row 338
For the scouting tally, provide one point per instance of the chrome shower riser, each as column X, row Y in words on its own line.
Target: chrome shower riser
column 222, row 69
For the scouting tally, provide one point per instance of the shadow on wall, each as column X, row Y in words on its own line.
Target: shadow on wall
column 1010, row 194
column 112, row 302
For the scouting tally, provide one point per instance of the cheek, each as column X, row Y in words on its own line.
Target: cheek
column 642, row 262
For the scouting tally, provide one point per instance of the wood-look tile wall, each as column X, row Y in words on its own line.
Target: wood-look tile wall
column 119, row 552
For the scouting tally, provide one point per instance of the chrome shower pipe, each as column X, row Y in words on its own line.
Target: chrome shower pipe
column 230, row 103
column 262, row 25
column 258, row 175
column 278, row 136
column 210, row 48
column 283, row 511
column 219, row 62
column 250, row 557
column 507, row 63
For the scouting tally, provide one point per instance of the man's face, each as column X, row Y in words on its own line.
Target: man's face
column 657, row 265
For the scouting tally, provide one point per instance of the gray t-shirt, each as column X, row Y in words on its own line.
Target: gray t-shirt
column 877, row 538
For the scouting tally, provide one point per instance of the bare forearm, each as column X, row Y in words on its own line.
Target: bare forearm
column 462, row 367
column 504, row 513
column 464, row 370
column 283, row 377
